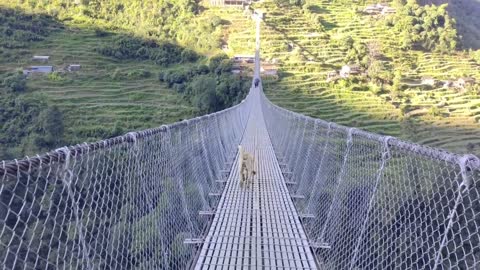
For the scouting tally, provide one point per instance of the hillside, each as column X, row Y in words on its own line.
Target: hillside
column 466, row 13
column 119, row 89
column 308, row 44
column 130, row 78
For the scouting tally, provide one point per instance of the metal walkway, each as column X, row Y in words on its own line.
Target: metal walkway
column 256, row 227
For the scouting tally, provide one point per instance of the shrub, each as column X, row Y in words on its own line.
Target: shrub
column 100, row 32
column 216, row 60
column 188, row 56
column 116, row 74
column 55, row 76
column 163, row 53
column 429, row 27
column 15, row 82
column 216, row 21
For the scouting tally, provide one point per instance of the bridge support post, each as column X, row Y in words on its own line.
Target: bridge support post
column 299, row 147
column 385, row 158
column 302, row 175
column 453, row 212
column 67, row 178
column 320, row 167
column 339, row 182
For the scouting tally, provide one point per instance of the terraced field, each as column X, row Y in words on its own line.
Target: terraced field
column 109, row 96
column 444, row 118
column 102, row 95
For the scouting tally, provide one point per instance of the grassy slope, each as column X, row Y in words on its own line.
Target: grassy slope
column 304, row 90
column 92, row 99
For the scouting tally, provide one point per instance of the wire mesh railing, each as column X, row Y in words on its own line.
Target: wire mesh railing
column 366, row 201
column 128, row 202
column 374, row 202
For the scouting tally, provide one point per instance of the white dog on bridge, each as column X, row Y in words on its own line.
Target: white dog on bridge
column 246, row 167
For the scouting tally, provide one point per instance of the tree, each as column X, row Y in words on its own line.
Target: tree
column 375, row 70
column 15, row 82
column 358, row 53
column 347, row 43
column 476, row 56
column 429, row 27
column 297, row 3
column 208, row 101
column 188, row 55
column 397, row 80
column 50, row 128
column 224, row 66
column 216, row 60
column 202, row 93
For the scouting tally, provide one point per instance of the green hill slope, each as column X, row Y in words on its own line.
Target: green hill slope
column 116, row 90
column 309, row 45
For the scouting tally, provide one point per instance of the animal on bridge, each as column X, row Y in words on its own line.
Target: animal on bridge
column 256, row 82
column 246, row 166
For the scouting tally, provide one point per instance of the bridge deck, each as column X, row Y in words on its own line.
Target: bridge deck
column 256, row 227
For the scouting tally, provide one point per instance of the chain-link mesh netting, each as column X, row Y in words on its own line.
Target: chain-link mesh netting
column 374, row 202
column 134, row 202
column 124, row 203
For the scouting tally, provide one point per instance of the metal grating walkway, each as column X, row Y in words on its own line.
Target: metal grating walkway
column 256, row 227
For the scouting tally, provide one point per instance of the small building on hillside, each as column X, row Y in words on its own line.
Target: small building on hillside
column 447, row 84
column 312, row 34
column 388, row 10
column 348, row 70
column 379, row 8
column 73, row 67
column 465, row 82
column 41, row 58
column 244, row 58
column 429, row 81
column 241, row 70
column 236, row 71
column 269, row 70
column 228, row 2
column 38, row 69
column 332, row 75
column 372, row 10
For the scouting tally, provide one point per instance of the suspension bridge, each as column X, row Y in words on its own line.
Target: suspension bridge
column 325, row 197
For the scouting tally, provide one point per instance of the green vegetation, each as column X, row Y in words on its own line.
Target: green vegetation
column 428, row 27
column 387, row 97
column 476, row 56
column 28, row 122
column 123, row 48
column 209, row 88
column 18, row 30
column 355, row 51
column 135, row 48
column 174, row 20
column 132, row 77
column 465, row 13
